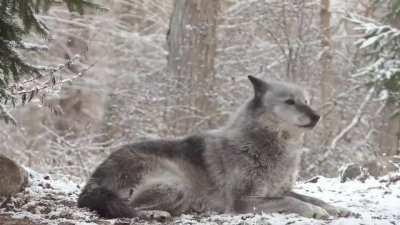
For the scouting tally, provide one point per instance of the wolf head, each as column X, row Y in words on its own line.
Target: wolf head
column 282, row 103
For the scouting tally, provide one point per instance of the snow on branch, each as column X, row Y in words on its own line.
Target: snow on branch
column 381, row 44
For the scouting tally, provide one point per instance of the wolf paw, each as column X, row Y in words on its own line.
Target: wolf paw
column 315, row 212
column 340, row 212
column 336, row 211
column 157, row 215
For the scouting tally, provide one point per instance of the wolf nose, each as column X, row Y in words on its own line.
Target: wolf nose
column 315, row 118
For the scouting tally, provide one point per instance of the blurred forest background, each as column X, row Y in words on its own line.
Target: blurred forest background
column 97, row 76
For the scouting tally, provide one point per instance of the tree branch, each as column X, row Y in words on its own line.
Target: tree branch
column 356, row 119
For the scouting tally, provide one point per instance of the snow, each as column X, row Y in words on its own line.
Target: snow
column 376, row 201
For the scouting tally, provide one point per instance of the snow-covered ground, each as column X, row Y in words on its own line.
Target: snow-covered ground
column 377, row 201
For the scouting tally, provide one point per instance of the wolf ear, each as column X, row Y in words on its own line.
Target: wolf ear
column 260, row 86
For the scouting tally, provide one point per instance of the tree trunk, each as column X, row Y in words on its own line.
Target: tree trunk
column 327, row 72
column 192, row 49
column 389, row 133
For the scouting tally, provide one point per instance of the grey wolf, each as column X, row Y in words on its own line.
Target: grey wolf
column 248, row 165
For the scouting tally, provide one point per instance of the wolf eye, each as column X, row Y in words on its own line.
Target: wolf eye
column 290, row 102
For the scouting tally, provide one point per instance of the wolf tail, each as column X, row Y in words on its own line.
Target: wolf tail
column 105, row 202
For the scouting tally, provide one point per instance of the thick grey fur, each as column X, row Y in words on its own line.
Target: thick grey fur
column 248, row 165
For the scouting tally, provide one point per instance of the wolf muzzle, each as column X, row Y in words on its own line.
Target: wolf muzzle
column 314, row 117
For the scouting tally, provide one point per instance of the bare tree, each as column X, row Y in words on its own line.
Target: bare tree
column 135, row 91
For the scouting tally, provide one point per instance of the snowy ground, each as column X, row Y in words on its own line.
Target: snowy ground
column 48, row 201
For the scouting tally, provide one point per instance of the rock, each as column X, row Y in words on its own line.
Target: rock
column 350, row 171
column 376, row 168
column 313, row 180
column 12, row 177
column 381, row 167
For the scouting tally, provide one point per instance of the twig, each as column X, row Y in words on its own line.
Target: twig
column 52, row 70
column 48, row 84
column 347, row 129
column 355, row 120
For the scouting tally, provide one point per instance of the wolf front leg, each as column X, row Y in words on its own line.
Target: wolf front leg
column 332, row 210
column 285, row 204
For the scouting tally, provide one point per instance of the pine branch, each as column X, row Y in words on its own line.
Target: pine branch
column 381, row 44
column 52, row 82
column 18, row 18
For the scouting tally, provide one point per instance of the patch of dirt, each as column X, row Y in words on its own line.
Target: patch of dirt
column 8, row 220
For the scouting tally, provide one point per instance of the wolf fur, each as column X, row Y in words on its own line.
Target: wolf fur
column 248, row 165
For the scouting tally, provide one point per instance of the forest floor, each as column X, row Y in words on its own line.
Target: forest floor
column 53, row 202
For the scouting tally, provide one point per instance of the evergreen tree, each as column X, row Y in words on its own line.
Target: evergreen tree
column 17, row 19
column 381, row 42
